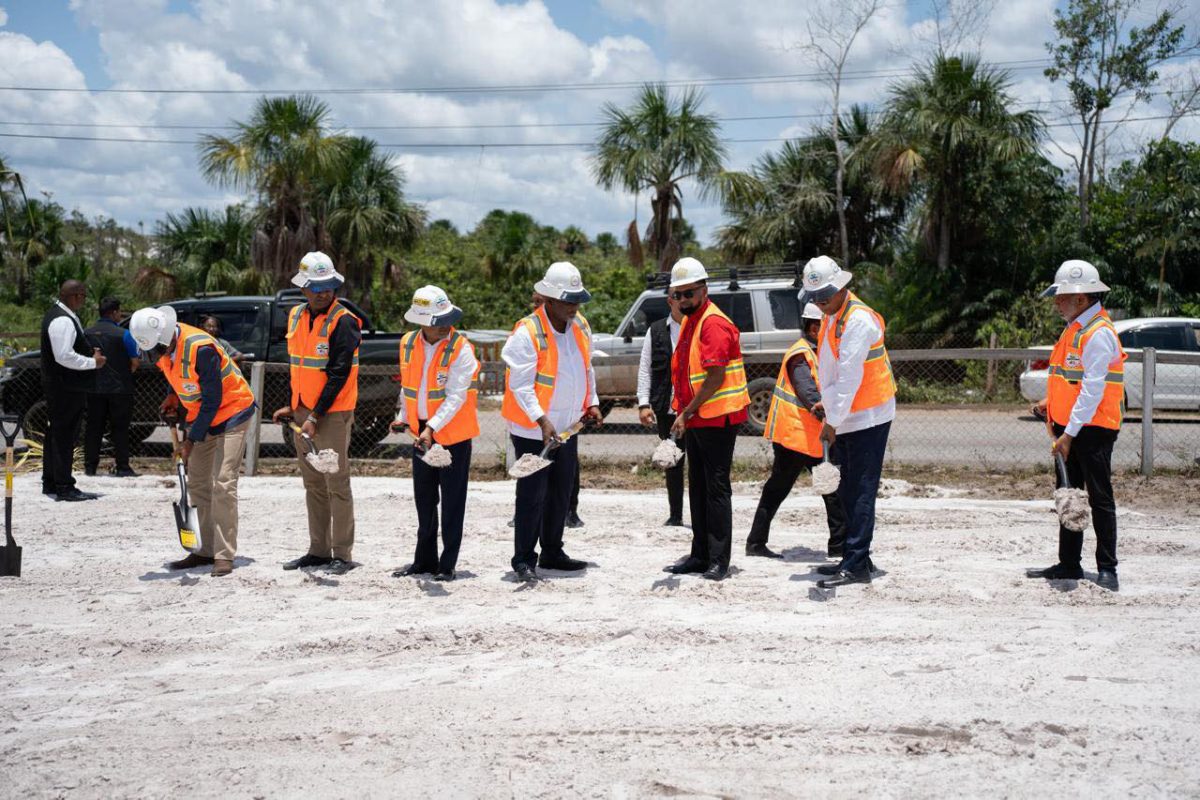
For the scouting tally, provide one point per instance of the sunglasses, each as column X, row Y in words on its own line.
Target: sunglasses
column 688, row 295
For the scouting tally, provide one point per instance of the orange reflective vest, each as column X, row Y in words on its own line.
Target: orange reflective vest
column 538, row 325
column 180, row 372
column 731, row 396
column 789, row 423
column 465, row 422
column 878, row 384
column 308, row 355
column 1066, row 374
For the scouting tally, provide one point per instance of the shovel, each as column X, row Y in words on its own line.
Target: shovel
column 10, row 554
column 1072, row 505
column 187, row 519
column 436, row 456
column 313, row 456
column 826, row 477
column 528, row 464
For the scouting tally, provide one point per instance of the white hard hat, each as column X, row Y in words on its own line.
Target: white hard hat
column 687, row 270
column 317, row 273
column 151, row 327
column 431, row 306
column 823, row 278
column 812, row 312
column 1075, row 277
column 562, row 282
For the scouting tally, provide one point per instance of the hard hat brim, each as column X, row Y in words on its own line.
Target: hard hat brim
column 554, row 293
column 1055, row 289
column 425, row 319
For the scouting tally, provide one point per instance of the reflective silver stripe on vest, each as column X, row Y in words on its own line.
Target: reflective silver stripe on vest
column 539, row 332
column 410, row 342
column 450, row 345
column 295, row 320
column 1097, row 321
column 544, row 380
column 186, row 360
column 787, row 397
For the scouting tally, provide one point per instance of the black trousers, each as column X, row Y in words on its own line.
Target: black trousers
column 1089, row 466
column 448, row 486
column 542, row 501
column 710, row 457
column 111, row 411
column 785, row 469
column 65, row 411
column 574, row 507
column 674, row 474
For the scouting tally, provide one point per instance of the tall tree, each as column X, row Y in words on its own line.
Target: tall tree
column 205, row 250
column 953, row 116
column 281, row 154
column 1104, row 57
column 655, row 145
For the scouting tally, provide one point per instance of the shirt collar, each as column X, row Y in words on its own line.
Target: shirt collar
column 1087, row 316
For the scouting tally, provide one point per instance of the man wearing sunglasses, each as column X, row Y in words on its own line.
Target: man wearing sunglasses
column 709, row 380
column 858, row 397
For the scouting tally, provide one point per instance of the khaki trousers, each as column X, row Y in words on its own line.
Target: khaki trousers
column 213, row 469
column 328, row 497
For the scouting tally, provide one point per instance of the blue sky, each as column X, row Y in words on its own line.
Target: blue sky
column 254, row 45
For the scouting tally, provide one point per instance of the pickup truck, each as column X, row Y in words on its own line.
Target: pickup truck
column 257, row 327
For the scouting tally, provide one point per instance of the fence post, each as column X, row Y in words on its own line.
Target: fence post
column 989, row 388
column 258, row 372
column 1148, row 368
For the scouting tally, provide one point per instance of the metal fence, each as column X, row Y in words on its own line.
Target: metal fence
column 957, row 407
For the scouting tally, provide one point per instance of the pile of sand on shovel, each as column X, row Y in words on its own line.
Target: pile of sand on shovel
column 526, row 465
column 1073, row 510
column 667, row 454
column 825, row 478
column 437, row 456
column 325, row 461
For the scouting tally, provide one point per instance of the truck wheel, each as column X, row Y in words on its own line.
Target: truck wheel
column 760, row 391
column 36, row 420
column 364, row 436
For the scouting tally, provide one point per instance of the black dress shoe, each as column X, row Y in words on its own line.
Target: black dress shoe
column 829, row 569
column 339, row 567
column 445, row 577
column 835, row 552
column 306, row 560
column 526, row 573
column 673, row 522
column 561, row 562
column 688, row 566
column 573, row 520
column 845, row 578
column 73, row 496
column 90, row 472
column 762, row 551
column 124, row 472
column 716, row 572
column 1056, row 573
column 413, row 569
column 1107, row 579
column 48, row 492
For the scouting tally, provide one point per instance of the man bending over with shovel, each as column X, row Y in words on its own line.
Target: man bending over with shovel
column 438, row 385
column 218, row 406
column 549, row 388
column 323, row 338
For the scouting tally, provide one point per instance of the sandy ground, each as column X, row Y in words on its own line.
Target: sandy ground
column 949, row 674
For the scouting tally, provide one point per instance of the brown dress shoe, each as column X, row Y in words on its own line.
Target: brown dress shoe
column 191, row 560
column 221, row 566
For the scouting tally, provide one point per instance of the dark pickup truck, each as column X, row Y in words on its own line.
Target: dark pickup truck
column 257, row 327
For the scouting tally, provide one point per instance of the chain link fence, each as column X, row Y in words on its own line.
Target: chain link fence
column 961, row 407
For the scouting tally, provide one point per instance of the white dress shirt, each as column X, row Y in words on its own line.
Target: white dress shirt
column 571, row 387
column 1100, row 354
column 842, row 375
column 62, row 341
column 643, row 383
column 458, row 383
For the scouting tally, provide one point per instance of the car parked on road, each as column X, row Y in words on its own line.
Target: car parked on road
column 1176, row 386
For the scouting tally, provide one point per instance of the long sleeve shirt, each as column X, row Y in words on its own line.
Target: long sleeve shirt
column 571, row 388
column 62, row 332
column 343, row 341
column 1099, row 354
column 643, row 378
column 803, row 382
column 841, row 376
column 458, row 383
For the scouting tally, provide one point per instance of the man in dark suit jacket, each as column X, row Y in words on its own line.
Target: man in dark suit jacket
column 110, row 403
column 654, row 396
column 69, row 367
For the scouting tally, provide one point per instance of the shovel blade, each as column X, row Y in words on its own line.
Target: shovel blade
column 187, row 524
column 10, row 561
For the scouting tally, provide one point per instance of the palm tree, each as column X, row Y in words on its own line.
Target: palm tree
column 281, row 154
column 952, row 119
column 654, row 146
column 208, row 250
column 515, row 246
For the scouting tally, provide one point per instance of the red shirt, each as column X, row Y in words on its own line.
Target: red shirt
column 720, row 343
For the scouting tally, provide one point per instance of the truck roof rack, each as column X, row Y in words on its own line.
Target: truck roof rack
column 733, row 273
column 203, row 295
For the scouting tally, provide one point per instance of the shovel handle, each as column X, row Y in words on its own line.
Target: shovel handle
column 291, row 423
column 1062, row 470
column 10, row 434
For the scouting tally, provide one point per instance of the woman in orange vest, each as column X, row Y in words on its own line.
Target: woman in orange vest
column 218, row 406
column 858, row 397
column 709, row 380
column 438, row 399
column 322, row 339
column 794, row 428
column 1084, row 405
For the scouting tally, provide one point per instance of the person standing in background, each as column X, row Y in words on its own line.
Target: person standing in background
column 654, row 397
column 110, row 403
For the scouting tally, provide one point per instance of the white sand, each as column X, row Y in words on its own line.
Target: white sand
column 826, row 477
column 667, row 454
column 323, row 461
column 950, row 674
column 1073, row 509
column 527, row 464
column 437, row 456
